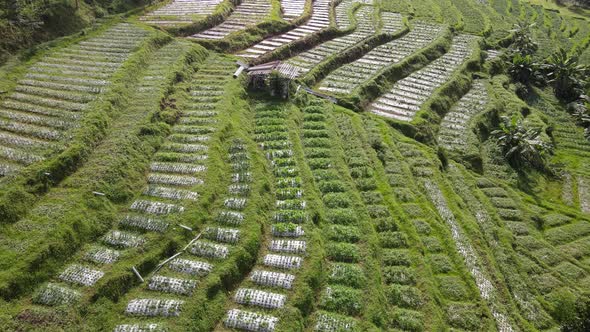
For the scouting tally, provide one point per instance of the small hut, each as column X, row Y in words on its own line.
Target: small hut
column 275, row 76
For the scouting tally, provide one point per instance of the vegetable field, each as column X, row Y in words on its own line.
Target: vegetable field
column 299, row 165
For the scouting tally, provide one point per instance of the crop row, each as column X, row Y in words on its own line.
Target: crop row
column 344, row 297
column 460, row 306
column 365, row 28
column 398, row 261
column 147, row 218
column 524, row 289
column 407, row 95
column 292, row 9
column 54, row 93
column 247, row 13
column 456, row 123
column 180, row 275
column 348, row 77
column 320, row 19
column 273, row 278
column 180, row 12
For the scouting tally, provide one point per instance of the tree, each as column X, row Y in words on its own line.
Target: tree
column 523, row 69
column 581, row 317
column 521, row 146
column 522, row 43
column 566, row 75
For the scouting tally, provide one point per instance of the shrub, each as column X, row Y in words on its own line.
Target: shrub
column 413, row 210
column 452, row 287
column 404, row 195
column 464, row 316
column 399, row 275
column 404, row 296
column 378, row 211
column 396, row 257
column 337, row 200
column 372, row 197
column 361, row 172
column 408, row 320
column 366, row 184
column 342, row 300
column 393, row 240
column 341, row 233
column 342, row 216
column 319, row 163
column 422, row 227
column 347, row 274
column 396, row 180
column 343, row 252
column 440, row 263
column 332, row 186
column 385, row 224
column 432, row 244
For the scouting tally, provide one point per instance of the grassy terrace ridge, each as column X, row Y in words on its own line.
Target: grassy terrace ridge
column 427, row 170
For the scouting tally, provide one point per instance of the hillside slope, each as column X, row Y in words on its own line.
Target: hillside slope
column 418, row 166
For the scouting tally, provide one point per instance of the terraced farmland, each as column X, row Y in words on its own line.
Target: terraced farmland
column 456, row 122
column 180, row 12
column 406, row 96
column 412, row 177
column 320, row 19
column 49, row 102
column 248, row 13
column 346, row 78
column 308, row 59
column 277, row 271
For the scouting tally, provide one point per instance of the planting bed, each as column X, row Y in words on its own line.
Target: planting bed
column 184, row 272
column 274, row 278
column 406, row 96
column 50, row 101
column 346, row 78
column 343, row 298
column 365, row 28
column 320, row 19
column 248, row 13
column 292, row 9
column 180, row 12
column 455, row 125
